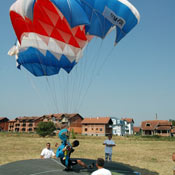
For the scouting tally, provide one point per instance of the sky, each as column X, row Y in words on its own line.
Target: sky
column 135, row 79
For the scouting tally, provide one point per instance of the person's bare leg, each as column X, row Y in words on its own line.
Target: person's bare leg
column 81, row 163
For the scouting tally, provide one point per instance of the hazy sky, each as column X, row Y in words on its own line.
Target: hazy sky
column 135, row 79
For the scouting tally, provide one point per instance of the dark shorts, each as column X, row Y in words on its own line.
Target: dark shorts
column 71, row 162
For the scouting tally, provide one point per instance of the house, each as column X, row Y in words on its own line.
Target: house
column 156, row 127
column 75, row 123
column 29, row 124
column 118, row 127
column 4, row 124
column 11, row 125
column 70, row 121
column 24, row 124
column 173, row 131
column 99, row 126
column 129, row 124
column 136, row 130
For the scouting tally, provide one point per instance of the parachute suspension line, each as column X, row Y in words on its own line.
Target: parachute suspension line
column 79, row 83
column 107, row 58
column 82, row 77
column 95, row 58
column 50, row 92
column 93, row 66
column 33, row 84
column 60, row 89
column 54, row 94
column 67, row 94
column 73, row 89
column 99, row 59
column 38, row 56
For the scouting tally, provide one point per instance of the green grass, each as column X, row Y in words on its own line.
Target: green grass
column 148, row 155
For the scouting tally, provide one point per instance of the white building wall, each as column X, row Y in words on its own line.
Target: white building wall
column 118, row 127
column 129, row 128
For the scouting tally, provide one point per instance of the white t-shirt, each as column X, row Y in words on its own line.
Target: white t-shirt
column 101, row 171
column 47, row 153
column 108, row 149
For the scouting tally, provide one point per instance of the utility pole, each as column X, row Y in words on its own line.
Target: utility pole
column 156, row 116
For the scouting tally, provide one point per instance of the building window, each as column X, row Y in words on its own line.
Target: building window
column 92, row 128
column 101, row 129
column 147, row 124
column 30, row 129
column 85, row 129
column 23, row 129
column 96, row 129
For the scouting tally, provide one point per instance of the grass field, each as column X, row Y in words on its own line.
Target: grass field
column 149, row 155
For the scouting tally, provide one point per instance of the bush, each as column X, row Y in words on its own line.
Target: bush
column 45, row 128
column 73, row 134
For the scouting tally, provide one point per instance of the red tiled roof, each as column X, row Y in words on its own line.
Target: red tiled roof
column 136, row 129
column 97, row 120
column 73, row 115
column 2, row 118
column 58, row 116
column 163, row 128
column 129, row 120
column 154, row 124
column 27, row 118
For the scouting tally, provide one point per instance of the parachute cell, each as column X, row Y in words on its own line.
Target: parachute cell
column 47, row 42
column 54, row 33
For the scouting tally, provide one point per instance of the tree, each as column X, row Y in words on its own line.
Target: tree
column 173, row 122
column 45, row 128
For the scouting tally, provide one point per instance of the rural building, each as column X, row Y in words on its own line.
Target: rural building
column 11, row 124
column 24, row 124
column 137, row 130
column 4, row 124
column 99, row 126
column 118, row 127
column 129, row 124
column 173, row 131
column 70, row 121
column 29, row 124
column 156, row 127
column 74, row 123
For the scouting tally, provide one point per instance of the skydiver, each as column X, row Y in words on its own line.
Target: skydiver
column 65, row 149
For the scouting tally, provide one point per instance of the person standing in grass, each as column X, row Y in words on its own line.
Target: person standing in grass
column 100, row 168
column 109, row 143
column 47, row 152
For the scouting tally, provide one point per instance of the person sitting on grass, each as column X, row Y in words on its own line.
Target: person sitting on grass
column 100, row 166
column 47, row 152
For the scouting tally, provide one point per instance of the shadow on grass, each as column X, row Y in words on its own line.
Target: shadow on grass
column 54, row 167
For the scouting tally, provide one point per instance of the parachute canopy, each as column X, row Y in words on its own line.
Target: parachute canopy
column 52, row 34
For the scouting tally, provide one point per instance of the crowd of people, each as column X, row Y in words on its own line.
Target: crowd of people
column 65, row 149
